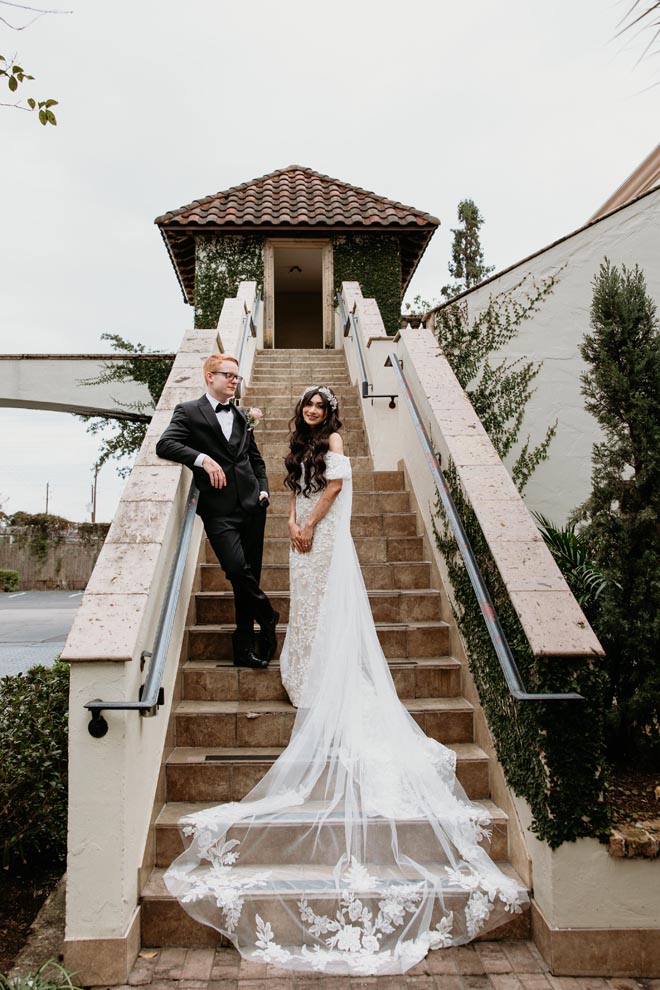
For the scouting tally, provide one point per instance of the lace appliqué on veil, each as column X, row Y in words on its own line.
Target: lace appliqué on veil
column 221, row 883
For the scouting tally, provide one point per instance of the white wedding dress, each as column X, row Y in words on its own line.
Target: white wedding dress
column 359, row 850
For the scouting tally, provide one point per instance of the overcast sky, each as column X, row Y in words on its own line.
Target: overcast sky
column 533, row 110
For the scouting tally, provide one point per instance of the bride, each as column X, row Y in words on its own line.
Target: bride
column 358, row 851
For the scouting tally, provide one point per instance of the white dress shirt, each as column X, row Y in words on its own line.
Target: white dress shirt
column 225, row 418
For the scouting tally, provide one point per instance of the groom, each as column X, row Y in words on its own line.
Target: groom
column 211, row 436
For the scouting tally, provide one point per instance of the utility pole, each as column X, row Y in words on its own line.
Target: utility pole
column 96, row 474
column 47, row 487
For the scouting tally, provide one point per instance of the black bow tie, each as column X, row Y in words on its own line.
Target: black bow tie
column 223, row 407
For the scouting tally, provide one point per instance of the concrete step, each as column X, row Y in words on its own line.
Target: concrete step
column 277, row 431
column 370, row 549
column 361, row 466
column 314, row 371
column 423, row 605
column 282, row 403
column 364, row 501
column 377, row 577
column 299, row 381
column 415, row 639
column 334, row 377
column 414, row 677
column 311, row 373
column 298, row 354
column 217, row 774
column 164, row 922
column 269, row 723
column 381, row 524
column 364, row 480
column 417, row 835
column 269, row 448
column 280, row 425
column 288, row 387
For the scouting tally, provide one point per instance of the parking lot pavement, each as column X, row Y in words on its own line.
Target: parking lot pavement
column 34, row 626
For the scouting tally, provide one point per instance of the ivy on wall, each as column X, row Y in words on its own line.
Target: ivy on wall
column 221, row 263
column 373, row 260
column 43, row 532
column 39, row 532
column 552, row 753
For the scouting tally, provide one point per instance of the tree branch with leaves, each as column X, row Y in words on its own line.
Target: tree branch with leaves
column 15, row 76
column 146, row 367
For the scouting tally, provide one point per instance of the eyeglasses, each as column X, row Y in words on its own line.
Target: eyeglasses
column 229, row 375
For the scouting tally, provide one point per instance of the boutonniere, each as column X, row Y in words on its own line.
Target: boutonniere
column 254, row 416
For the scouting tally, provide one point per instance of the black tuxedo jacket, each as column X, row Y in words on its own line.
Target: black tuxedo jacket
column 194, row 430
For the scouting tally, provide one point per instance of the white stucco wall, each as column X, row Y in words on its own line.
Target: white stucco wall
column 553, row 335
column 580, row 886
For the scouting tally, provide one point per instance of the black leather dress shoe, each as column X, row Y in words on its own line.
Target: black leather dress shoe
column 268, row 638
column 248, row 658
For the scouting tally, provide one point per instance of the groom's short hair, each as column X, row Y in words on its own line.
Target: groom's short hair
column 213, row 362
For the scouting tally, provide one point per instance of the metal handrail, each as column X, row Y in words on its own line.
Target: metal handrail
column 349, row 323
column 151, row 692
column 502, row 649
column 249, row 328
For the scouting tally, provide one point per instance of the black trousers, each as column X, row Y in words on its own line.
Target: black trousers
column 238, row 540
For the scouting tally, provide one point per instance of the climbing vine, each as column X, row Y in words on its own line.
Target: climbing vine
column 222, row 262
column 375, row 262
column 498, row 391
column 552, row 753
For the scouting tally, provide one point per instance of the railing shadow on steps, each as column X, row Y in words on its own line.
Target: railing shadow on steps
column 151, row 695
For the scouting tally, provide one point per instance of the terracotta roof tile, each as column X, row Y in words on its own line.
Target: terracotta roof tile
column 295, row 196
column 292, row 198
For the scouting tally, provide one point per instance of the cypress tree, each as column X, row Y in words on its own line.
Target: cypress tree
column 622, row 391
column 467, row 265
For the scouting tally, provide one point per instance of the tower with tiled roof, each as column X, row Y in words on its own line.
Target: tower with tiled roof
column 299, row 234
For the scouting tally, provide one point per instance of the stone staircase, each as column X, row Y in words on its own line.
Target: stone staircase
column 230, row 724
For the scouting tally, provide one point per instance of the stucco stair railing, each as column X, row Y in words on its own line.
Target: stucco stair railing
column 114, row 779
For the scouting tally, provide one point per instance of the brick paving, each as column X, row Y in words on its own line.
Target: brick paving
column 514, row 965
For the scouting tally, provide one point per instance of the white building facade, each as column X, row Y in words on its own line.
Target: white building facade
column 630, row 235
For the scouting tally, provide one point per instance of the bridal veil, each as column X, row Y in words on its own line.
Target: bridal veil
column 359, row 850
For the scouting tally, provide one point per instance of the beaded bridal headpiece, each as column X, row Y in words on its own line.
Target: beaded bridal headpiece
column 323, row 390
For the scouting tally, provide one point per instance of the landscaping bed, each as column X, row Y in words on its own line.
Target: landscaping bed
column 22, row 892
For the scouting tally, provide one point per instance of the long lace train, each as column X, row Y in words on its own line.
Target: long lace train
column 358, row 851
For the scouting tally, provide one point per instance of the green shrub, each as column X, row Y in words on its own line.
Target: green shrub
column 571, row 552
column 8, row 579
column 33, row 764
column 49, row 976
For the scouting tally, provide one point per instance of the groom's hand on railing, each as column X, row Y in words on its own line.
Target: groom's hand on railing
column 215, row 472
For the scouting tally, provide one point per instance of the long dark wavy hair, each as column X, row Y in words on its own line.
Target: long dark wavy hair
column 305, row 461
